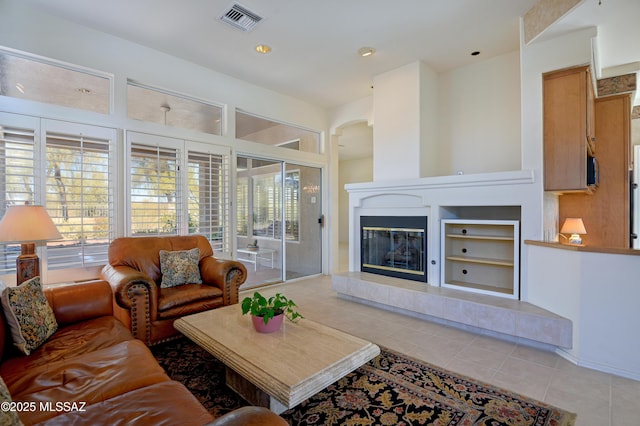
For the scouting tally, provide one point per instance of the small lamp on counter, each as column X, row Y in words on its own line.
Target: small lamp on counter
column 27, row 224
column 575, row 227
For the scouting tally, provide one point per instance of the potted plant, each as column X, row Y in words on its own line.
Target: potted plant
column 267, row 314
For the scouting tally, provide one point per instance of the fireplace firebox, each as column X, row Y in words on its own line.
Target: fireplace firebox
column 394, row 246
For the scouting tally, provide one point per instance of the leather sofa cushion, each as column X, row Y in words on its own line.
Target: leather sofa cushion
column 92, row 377
column 250, row 416
column 73, row 303
column 172, row 297
column 69, row 342
column 166, row 403
column 188, row 309
column 143, row 254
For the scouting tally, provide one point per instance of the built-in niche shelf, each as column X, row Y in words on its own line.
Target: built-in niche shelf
column 481, row 256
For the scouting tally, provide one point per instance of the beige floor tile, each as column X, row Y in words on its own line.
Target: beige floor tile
column 455, row 334
column 585, row 373
column 471, row 369
column 524, row 377
column 625, row 398
column 546, row 358
column 494, row 344
column 599, row 399
column 485, row 357
column 435, row 350
column 590, row 411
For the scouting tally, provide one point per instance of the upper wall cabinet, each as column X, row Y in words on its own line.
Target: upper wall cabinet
column 606, row 213
column 569, row 135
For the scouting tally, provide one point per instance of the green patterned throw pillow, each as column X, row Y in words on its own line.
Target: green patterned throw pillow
column 7, row 417
column 29, row 316
column 180, row 267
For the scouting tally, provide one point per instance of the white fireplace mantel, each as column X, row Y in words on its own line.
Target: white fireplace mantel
column 488, row 196
column 439, row 198
column 442, row 182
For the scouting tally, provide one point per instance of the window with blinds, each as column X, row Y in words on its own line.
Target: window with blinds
column 267, row 213
column 179, row 187
column 242, row 206
column 266, row 205
column 154, row 186
column 17, row 181
column 78, row 199
column 208, row 197
column 292, row 205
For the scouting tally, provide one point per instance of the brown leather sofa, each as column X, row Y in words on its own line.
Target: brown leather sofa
column 94, row 361
column 149, row 310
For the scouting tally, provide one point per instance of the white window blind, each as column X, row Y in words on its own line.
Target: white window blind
column 266, row 205
column 267, row 220
column 208, row 198
column 17, row 180
column 242, row 206
column 179, row 187
column 292, row 205
column 78, row 199
column 154, row 190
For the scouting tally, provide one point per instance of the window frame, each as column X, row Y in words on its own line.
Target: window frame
column 81, row 131
column 41, row 127
column 110, row 105
column 183, row 148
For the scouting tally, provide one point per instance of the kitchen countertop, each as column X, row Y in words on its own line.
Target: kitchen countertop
column 587, row 249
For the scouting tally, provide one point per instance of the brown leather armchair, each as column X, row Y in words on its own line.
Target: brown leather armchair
column 134, row 274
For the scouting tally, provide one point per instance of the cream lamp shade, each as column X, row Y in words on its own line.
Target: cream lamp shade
column 27, row 224
column 575, row 227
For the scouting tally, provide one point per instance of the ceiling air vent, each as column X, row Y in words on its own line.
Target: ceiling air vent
column 240, row 17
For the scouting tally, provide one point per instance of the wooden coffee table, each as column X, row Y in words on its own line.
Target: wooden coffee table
column 277, row 370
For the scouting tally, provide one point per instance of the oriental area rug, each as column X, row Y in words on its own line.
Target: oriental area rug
column 392, row 389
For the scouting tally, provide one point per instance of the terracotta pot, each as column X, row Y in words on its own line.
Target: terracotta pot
column 274, row 324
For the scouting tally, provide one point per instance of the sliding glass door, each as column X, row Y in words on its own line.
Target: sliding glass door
column 278, row 210
column 259, row 219
column 303, row 214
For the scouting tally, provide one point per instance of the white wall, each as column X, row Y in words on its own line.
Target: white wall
column 479, row 117
column 397, row 117
column 599, row 294
column 352, row 171
column 31, row 30
column 430, row 141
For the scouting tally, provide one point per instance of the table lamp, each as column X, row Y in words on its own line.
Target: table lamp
column 575, row 227
column 27, row 224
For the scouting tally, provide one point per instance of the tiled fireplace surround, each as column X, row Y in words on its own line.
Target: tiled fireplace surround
column 483, row 196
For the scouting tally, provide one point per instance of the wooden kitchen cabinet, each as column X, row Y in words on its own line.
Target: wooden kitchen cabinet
column 606, row 213
column 569, row 128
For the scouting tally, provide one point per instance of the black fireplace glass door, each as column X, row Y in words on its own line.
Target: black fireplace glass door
column 394, row 246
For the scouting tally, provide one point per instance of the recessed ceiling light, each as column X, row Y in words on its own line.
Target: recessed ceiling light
column 366, row 51
column 475, row 53
column 263, row 49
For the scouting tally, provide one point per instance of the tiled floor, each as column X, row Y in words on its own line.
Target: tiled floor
column 599, row 399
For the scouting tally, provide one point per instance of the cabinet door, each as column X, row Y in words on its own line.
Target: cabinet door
column 606, row 213
column 567, row 120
